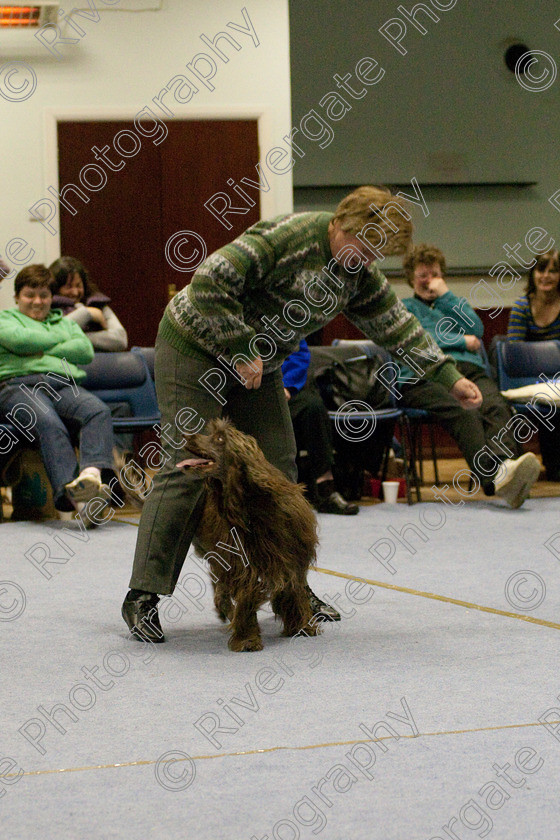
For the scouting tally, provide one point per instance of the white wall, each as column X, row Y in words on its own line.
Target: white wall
column 123, row 60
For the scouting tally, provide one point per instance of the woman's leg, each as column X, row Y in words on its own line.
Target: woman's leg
column 312, row 429
column 94, row 420
column 264, row 414
column 172, row 511
column 466, row 427
column 496, row 414
column 47, row 428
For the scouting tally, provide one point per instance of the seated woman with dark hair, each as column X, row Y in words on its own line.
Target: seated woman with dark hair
column 39, row 354
column 536, row 317
column 80, row 299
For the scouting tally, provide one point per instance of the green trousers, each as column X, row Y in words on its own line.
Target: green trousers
column 172, row 511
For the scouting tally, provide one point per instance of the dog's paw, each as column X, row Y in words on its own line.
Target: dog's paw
column 239, row 645
column 314, row 628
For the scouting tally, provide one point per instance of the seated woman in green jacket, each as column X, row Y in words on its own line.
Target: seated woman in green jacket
column 39, row 354
column 485, row 436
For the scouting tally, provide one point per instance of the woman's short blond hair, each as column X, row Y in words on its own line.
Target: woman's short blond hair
column 379, row 216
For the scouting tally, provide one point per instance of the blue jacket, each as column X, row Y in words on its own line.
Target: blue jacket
column 295, row 367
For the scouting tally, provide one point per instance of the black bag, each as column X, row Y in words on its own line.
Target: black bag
column 342, row 375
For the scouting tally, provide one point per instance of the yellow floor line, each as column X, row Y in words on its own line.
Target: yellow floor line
column 493, row 610
column 147, row 762
column 531, row 619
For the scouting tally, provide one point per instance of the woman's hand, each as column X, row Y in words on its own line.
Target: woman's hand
column 467, row 393
column 97, row 316
column 438, row 287
column 252, row 374
column 472, row 342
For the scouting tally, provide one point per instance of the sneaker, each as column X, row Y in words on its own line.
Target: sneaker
column 142, row 619
column 518, row 476
column 318, row 607
column 86, row 487
column 336, row 504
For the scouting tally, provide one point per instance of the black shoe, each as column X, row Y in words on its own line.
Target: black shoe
column 325, row 611
column 336, row 504
column 142, row 618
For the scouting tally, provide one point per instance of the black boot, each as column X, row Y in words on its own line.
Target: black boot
column 139, row 610
column 328, row 500
column 320, row 608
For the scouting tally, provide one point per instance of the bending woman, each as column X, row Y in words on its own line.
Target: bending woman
column 80, row 299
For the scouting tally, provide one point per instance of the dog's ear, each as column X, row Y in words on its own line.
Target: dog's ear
column 236, row 497
column 254, row 469
column 258, row 476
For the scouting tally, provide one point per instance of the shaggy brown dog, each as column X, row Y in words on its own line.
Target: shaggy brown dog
column 257, row 531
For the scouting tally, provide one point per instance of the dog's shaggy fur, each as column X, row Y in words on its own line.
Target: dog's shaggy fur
column 267, row 523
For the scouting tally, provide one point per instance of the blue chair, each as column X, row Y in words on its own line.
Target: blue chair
column 149, row 356
column 124, row 378
column 523, row 363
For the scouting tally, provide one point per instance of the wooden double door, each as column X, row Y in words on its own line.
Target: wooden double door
column 120, row 235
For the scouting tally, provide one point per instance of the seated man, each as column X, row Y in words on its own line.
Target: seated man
column 312, row 429
column 39, row 354
column 484, row 435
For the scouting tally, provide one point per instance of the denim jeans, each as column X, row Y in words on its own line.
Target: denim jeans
column 50, row 411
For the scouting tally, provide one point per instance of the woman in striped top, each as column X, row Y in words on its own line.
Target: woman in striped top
column 536, row 316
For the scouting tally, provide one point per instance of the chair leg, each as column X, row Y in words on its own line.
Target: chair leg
column 417, row 454
column 420, row 449
column 412, row 474
column 385, row 461
column 434, row 454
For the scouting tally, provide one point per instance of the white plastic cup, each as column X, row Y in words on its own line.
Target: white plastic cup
column 390, row 491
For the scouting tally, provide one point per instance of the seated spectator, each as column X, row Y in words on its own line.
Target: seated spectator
column 312, row 429
column 80, row 299
column 483, row 435
column 536, row 317
column 39, row 354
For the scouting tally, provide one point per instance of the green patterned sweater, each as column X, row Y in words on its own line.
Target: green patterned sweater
column 276, row 284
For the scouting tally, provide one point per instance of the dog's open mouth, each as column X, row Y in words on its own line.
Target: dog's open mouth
column 195, row 463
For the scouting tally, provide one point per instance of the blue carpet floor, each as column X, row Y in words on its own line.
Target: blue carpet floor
column 428, row 712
